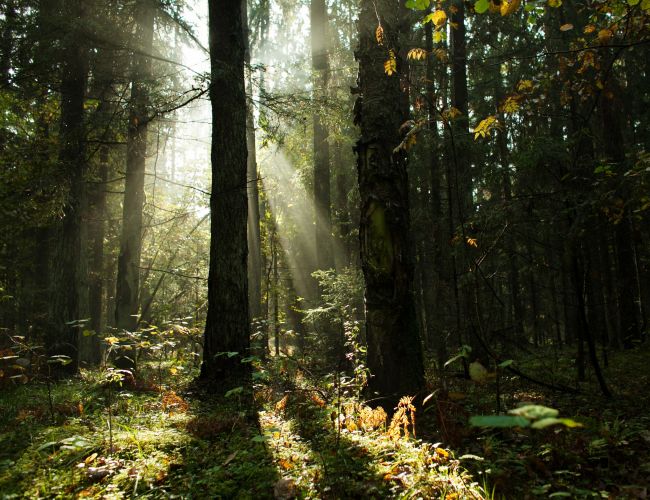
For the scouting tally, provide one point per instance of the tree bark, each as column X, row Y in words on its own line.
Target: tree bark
column 394, row 348
column 322, row 190
column 626, row 282
column 128, row 266
column 254, row 239
column 68, row 301
column 227, row 323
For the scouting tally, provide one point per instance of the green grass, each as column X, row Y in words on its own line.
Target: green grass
column 212, row 448
column 195, row 446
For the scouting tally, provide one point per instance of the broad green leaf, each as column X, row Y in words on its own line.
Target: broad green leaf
column 481, row 6
column 546, row 422
column 632, row 3
column 417, row 4
column 534, row 412
column 506, row 363
column 498, row 421
column 477, row 372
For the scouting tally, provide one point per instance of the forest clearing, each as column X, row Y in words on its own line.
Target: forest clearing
column 324, row 249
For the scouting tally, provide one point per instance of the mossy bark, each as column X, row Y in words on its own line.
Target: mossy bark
column 394, row 348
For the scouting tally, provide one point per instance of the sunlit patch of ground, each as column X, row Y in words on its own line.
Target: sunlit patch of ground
column 330, row 451
column 201, row 448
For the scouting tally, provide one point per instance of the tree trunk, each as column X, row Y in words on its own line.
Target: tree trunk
column 104, row 76
column 433, row 282
column 322, row 195
column 227, row 323
column 254, row 239
column 68, row 301
column 128, row 266
column 626, row 283
column 394, row 349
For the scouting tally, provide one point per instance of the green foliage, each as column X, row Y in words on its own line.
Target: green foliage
column 533, row 416
column 417, row 4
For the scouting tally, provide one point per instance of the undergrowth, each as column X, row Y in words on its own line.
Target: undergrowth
column 304, row 437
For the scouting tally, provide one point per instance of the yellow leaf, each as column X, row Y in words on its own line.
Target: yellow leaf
column 508, row 8
column 525, row 86
column 451, row 113
column 282, row 404
column 443, row 453
column 441, row 54
column 173, row 370
column 566, row 27
column 472, row 242
column 437, row 37
column 590, row 28
column 439, row 17
column 379, row 34
column 554, row 3
column 510, row 105
column 605, row 35
column 390, row 66
column 485, row 126
column 111, row 340
column 285, row 464
column 417, row 54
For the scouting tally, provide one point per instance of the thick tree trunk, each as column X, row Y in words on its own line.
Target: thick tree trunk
column 68, row 301
column 322, row 194
column 128, row 266
column 227, row 323
column 394, row 349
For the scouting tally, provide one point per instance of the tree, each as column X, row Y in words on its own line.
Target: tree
column 394, row 350
column 227, row 323
column 254, row 239
column 321, row 68
column 68, row 302
column 128, row 267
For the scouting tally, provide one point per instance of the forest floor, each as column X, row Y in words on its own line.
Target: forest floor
column 300, row 442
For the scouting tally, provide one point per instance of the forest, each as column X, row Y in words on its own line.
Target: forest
column 324, row 249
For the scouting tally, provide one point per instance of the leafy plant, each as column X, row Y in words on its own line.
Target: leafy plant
column 533, row 416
